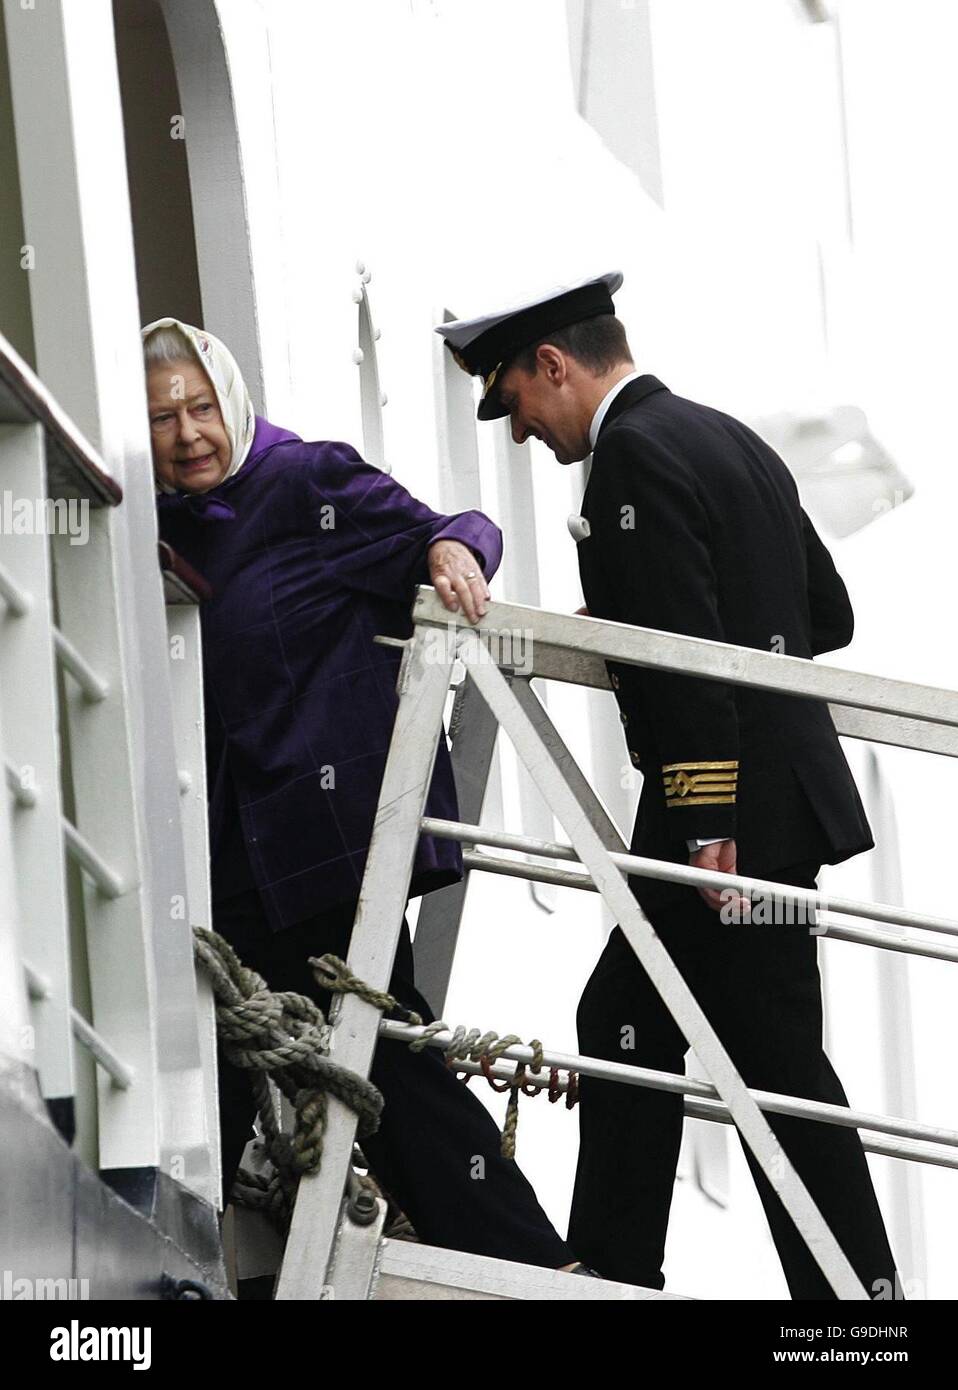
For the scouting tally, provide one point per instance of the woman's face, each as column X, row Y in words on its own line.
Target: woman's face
column 191, row 449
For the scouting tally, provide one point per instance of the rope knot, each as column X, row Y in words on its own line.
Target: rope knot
column 335, row 975
column 281, row 1036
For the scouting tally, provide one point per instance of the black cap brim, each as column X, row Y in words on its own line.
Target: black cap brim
column 491, row 407
column 487, row 347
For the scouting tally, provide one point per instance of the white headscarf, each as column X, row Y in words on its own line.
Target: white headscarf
column 235, row 404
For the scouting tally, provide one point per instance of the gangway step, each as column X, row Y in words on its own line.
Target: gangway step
column 409, row 1271
column 368, row 1266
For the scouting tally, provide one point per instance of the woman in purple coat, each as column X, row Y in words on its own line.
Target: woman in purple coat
column 310, row 552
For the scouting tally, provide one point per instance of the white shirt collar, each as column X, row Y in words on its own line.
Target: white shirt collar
column 604, row 404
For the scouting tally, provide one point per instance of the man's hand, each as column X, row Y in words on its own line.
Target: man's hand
column 458, row 579
column 718, row 858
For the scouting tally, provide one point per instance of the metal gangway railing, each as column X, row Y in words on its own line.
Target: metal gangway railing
column 327, row 1254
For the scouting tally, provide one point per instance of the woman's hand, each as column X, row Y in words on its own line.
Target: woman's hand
column 458, row 579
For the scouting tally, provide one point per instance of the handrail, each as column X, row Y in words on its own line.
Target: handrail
column 76, row 468
column 110, row 884
column 562, row 646
column 181, row 582
column 825, row 927
column 17, row 599
column 84, row 1032
column 94, row 687
column 25, row 796
column 715, row 1112
column 875, row 726
column 772, row 1101
column 686, row 874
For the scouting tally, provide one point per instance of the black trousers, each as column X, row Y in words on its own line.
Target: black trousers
column 437, row 1149
column 760, row 988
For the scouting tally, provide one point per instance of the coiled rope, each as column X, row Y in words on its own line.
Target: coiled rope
column 283, row 1036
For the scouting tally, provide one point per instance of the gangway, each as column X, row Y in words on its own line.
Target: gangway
column 328, row 1253
column 103, row 1012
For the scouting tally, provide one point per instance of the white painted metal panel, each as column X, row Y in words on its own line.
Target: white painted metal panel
column 83, row 294
column 192, row 1141
column 30, row 745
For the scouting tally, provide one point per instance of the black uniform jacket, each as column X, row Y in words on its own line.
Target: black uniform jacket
column 696, row 527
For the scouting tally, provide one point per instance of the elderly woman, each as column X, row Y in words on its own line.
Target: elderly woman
column 310, row 551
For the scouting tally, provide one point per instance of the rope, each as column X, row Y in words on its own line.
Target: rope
column 335, row 975
column 464, row 1045
column 283, row 1036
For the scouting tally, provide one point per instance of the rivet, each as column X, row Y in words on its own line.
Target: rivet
column 360, row 268
column 367, row 276
column 377, row 334
column 358, row 356
column 384, row 399
column 357, row 296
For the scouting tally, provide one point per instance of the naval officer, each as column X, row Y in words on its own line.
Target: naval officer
column 692, row 524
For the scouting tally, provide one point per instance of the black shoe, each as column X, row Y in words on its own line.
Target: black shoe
column 580, row 1268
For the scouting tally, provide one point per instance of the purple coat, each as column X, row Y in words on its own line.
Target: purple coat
column 310, row 552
